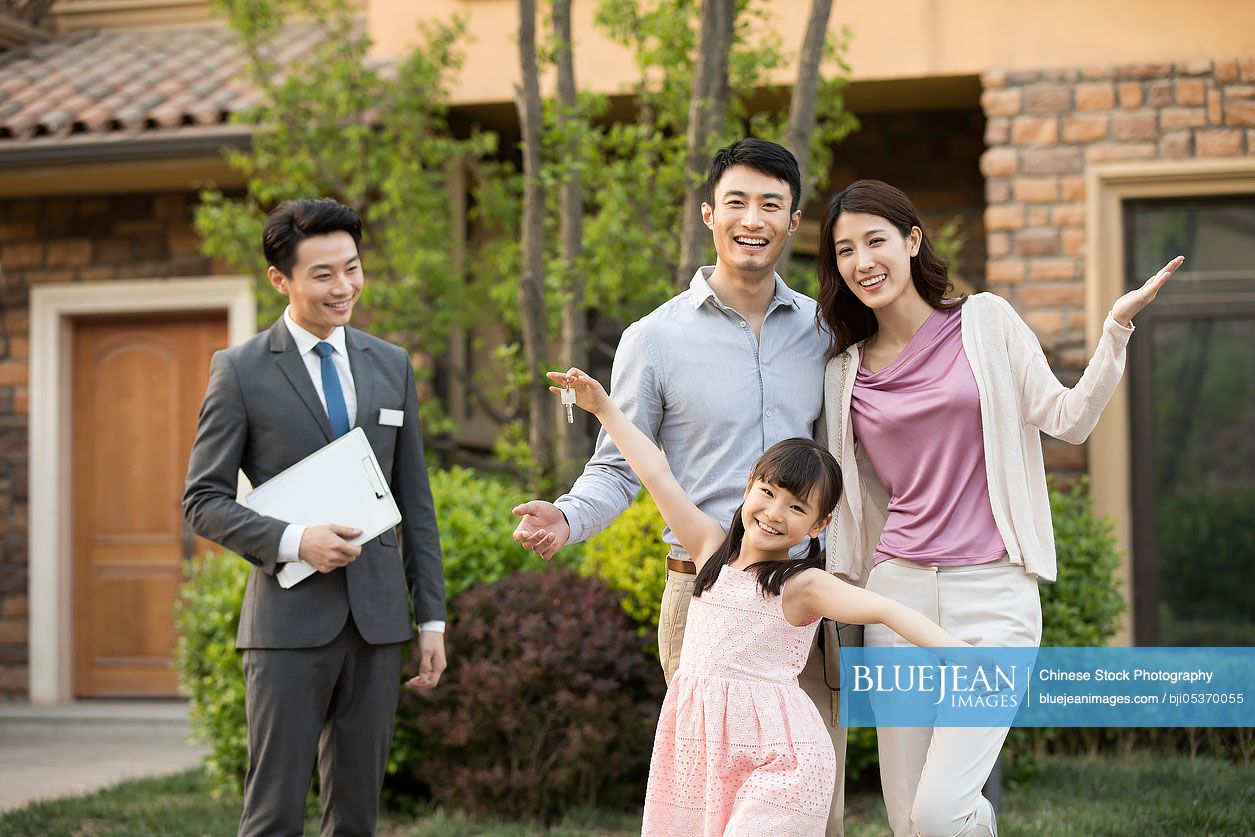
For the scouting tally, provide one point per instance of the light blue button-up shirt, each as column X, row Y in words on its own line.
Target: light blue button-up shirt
column 693, row 377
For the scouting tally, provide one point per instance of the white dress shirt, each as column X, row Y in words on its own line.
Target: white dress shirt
column 290, row 543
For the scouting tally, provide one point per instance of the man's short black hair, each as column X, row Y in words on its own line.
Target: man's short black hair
column 291, row 222
column 762, row 156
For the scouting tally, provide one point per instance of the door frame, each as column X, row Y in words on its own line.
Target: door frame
column 49, row 567
column 1110, row 449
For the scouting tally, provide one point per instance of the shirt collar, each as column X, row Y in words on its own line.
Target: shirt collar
column 700, row 290
column 305, row 342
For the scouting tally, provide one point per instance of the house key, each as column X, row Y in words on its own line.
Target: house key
column 568, row 400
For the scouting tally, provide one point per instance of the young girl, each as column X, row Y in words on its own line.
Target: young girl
column 740, row 749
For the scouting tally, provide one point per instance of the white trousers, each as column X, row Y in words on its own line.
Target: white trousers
column 932, row 777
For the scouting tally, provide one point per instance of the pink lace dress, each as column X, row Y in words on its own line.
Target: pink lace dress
column 740, row 748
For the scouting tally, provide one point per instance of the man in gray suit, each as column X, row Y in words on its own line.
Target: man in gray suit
column 322, row 660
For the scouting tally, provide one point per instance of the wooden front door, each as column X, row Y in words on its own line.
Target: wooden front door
column 137, row 387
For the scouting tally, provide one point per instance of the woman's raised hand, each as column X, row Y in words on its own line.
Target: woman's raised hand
column 589, row 394
column 1130, row 304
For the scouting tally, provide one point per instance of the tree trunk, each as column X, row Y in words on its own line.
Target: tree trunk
column 572, row 438
column 802, row 105
column 531, row 293
column 708, row 108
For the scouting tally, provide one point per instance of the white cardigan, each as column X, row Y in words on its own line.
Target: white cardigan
column 1019, row 396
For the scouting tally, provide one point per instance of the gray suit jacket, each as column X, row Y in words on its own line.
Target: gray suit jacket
column 261, row 414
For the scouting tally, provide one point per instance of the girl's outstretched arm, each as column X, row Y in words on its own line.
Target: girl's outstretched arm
column 698, row 532
column 815, row 591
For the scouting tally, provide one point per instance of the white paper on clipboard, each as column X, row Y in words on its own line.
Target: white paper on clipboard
column 341, row 484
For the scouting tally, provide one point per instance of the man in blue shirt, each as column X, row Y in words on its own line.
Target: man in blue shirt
column 716, row 375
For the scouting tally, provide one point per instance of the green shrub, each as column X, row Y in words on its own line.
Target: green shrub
column 631, row 557
column 548, row 703
column 211, row 674
column 476, row 528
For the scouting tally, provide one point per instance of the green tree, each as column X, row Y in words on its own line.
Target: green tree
column 375, row 137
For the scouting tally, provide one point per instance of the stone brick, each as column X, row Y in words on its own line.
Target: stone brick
column 997, row 245
column 1036, row 189
column 97, row 274
column 1037, row 243
column 15, row 606
column 13, row 631
column 1048, row 98
column 17, row 231
column 1176, row 119
column 69, row 253
column 992, row 79
column 1072, row 189
column 1073, row 239
column 1227, row 72
column 998, row 131
column 1247, row 68
column 19, row 347
column 1107, row 152
column 1159, row 93
column 1072, row 215
column 1191, row 92
column 1095, row 96
column 1053, row 270
column 1054, row 295
column 997, row 191
column 1240, row 91
column 1177, row 145
column 1001, row 102
column 111, row 250
column 1004, row 217
column 1082, row 129
column 1215, row 108
column 1240, row 113
column 1143, row 71
column 1045, row 324
column 1197, row 67
column 1097, row 73
column 1004, row 270
column 13, row 679
column 1051, row 161
column 14, row 256
column 1034, row 130
column 93, row 206
column 1036, row 216
column 21, row 401
column 183, row 241
column 1142, row 125
column 1130, row 95
column 41, row 277
column 14, row 373
column 17, row 322
column 998, row 162
column 1219, row 142
column 170, row 206
column 141, row 227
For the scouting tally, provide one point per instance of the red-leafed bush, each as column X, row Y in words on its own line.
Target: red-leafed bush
column 548, row 703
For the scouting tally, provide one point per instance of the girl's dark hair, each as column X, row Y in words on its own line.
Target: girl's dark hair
column 291, row 222
column 810, row 473
column 847, row 318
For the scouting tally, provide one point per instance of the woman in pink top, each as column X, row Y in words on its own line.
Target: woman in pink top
column 934, row 407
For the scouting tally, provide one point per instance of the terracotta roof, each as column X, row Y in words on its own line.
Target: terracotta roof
column 130, row 81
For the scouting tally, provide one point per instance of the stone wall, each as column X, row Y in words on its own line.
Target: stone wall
column 64, row 240
column 1043, row 130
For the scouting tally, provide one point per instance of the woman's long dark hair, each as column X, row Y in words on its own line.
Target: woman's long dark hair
column 810, row 473
column 848, row 320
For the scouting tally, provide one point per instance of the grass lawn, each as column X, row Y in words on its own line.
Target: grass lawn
column 1140, row 795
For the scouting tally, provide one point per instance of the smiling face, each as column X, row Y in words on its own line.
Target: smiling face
column 776, row 519
column 874, row 258
column 750, row 219
column 325, row 284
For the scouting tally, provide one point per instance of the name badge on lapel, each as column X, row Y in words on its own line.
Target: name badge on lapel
column 392, row 418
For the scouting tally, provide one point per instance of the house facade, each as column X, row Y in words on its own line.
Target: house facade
column 1082, row 144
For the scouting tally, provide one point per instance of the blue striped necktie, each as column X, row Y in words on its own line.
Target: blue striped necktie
column 337, row 412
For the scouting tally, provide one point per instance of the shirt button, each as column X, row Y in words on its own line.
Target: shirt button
column 769, row 414
column 742, row 323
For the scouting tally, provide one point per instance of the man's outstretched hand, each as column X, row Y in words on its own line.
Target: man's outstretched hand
column 543, row 528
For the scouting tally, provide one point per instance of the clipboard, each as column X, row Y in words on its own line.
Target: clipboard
column 340, row 483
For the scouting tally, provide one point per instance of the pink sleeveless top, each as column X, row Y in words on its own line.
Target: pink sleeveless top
column 919, row 421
